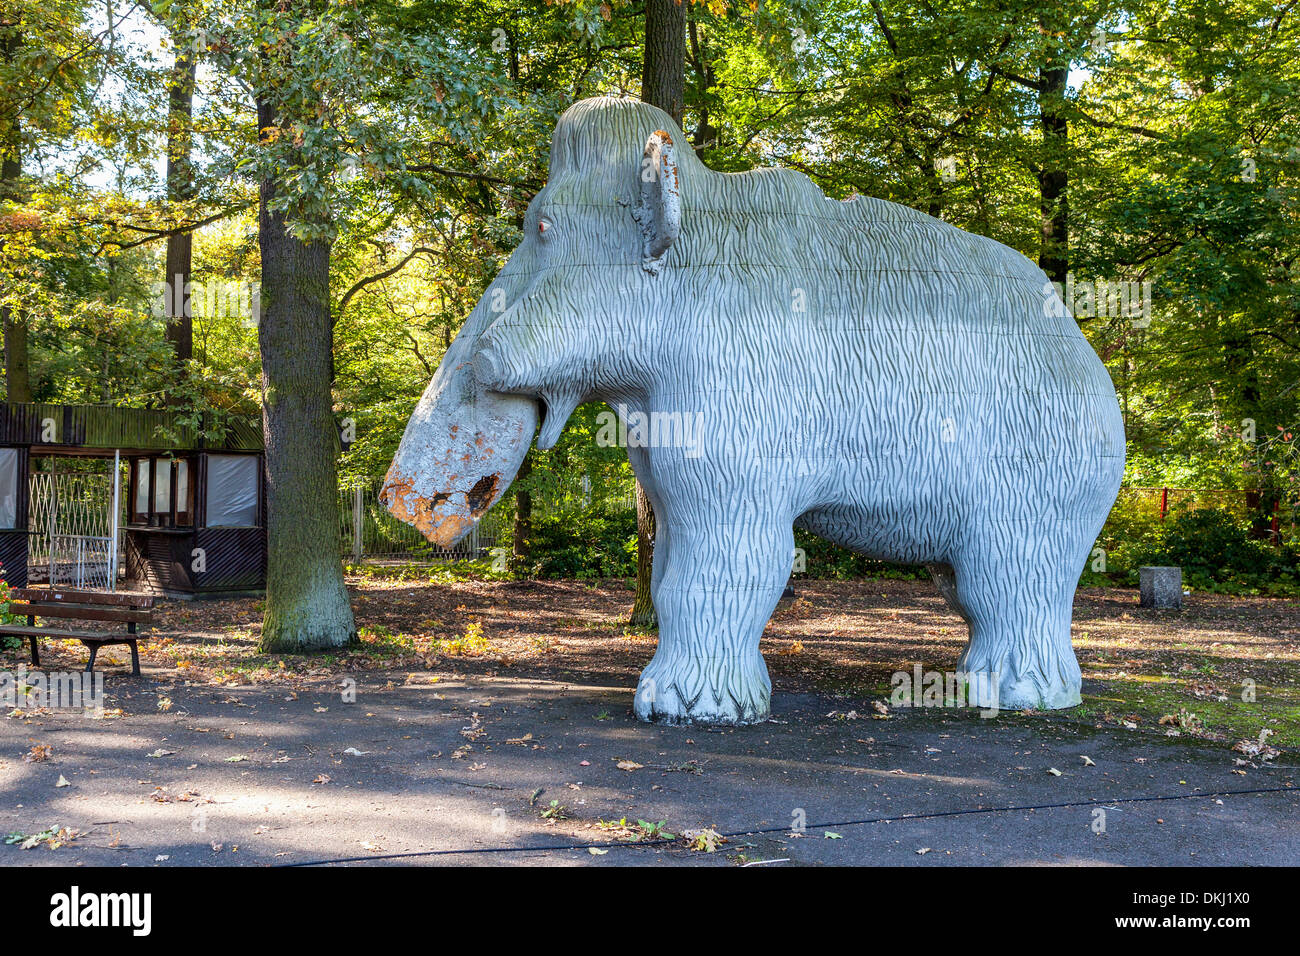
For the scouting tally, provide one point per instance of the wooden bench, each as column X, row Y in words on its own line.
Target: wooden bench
column 132, row 610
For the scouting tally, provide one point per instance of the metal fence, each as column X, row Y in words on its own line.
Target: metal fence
column 1163, row 501
column 70, row 524
column 82, row 561
column 368, row 530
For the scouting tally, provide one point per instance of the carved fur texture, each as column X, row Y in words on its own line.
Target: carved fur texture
column 883, row 379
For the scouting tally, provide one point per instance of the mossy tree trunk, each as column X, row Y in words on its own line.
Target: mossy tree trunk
column 523, row 530
column 643, row 608
column 307, row 604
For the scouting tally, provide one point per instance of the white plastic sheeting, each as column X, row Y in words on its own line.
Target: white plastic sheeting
column 8, row 487
column 232, row 491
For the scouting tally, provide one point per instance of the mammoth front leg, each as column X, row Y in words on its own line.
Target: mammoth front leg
column 716, row 585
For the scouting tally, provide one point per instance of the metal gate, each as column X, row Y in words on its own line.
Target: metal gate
column 72, row 528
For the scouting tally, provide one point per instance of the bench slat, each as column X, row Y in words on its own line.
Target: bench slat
column 94, row 637
column 123, row 615
column 73, row 596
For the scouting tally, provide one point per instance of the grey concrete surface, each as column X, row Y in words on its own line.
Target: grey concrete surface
column 236, row 768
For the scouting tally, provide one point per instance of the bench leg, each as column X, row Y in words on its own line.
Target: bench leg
column 94, row 649
column 135, row 660
column 36, row 657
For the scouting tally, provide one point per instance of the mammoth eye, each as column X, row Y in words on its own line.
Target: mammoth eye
column 543, row 227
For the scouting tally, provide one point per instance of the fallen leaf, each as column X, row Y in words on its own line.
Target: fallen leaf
column 629, row 765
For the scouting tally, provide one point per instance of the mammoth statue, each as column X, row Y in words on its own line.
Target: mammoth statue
column 878, row 377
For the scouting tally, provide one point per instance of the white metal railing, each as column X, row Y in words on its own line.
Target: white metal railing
column 83, row 561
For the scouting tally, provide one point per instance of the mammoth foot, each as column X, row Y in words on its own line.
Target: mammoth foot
column 685, row 689
column 1046, row 678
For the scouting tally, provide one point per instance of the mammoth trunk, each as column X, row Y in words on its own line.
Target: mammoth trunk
column 461, row 450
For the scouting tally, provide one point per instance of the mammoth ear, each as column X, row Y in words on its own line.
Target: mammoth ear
column 659, row 212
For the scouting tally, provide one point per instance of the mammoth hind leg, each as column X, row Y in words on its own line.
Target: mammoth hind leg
column 1017, row 592
column 945, row 579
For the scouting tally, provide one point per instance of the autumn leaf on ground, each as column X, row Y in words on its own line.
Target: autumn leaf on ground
column 1087, row 761
column 38, row 753
column 53, row 837
column 703, row 841
column 1257, row 748
column 629, row 765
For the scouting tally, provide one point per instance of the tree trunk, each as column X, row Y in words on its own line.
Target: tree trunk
column 180, row 187
column 706, row 135
column 1053, row 174
column 663, row 84
column 18, row 385
column 523, row 531
column 307, row 604
column 663, row 71
column 643, row 609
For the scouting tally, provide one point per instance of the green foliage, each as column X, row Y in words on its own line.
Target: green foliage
column 826, row 560
column 414, row 135
column 1215, row 554
column 1213, row 547
column 591, row 543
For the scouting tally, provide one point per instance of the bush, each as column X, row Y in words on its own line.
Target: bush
column 1216, row 552
column 593, row 543
column 826, row 560
column 1213, row 548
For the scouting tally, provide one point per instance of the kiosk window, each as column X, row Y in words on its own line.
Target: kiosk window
column 161, row 494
